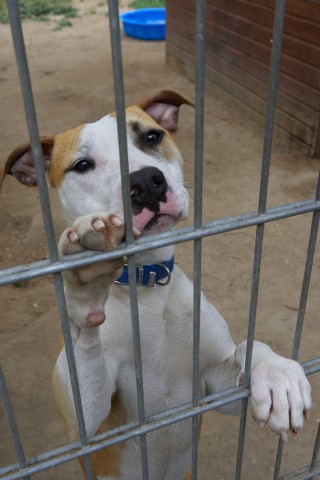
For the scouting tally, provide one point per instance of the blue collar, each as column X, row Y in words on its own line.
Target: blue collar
column 149, row 275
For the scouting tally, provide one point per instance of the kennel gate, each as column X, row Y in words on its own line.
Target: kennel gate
column 25, row 467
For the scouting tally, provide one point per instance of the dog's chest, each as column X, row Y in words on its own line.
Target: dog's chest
column 166, row 340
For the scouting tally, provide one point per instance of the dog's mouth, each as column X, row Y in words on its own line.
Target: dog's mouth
column 160, row 223
column 163, row 217
column 152, row 222
column 149, row 223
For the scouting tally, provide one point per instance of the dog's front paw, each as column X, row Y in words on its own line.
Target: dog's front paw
column 99, row 231
column 280, row 395
column 87, row 287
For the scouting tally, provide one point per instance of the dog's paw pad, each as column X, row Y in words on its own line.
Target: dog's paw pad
column 94, row 319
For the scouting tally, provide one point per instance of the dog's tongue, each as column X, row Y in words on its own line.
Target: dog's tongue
column 141, row 220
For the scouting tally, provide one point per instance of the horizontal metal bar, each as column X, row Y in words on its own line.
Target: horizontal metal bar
column 303, row 474
column 132, row 430
column 312, row 370
column 45, row 267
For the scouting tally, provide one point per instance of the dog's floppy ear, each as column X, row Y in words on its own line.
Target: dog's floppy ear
column 163, row 107
column 20, row 162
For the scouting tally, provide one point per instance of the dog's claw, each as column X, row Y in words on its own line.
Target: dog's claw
column 240, row 378
column 295, row 432
column 284, row 435
column 136, row 232
column 307, row 414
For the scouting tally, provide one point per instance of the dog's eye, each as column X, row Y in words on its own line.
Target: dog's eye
column 153, row 137
column 83, row 165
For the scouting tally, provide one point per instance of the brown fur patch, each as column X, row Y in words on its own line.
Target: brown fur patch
column 106, row 462
column 135, row 113
column 188, row 475
column 65, row 145
column 64, row 406
column 167, row 148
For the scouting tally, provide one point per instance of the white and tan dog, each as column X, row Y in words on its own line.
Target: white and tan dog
column 83, row 164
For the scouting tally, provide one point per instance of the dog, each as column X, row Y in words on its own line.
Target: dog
column 83, row 165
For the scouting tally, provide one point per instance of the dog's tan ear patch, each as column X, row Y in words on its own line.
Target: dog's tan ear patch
column 170, row 97
column 20, row 162
column 163, row 107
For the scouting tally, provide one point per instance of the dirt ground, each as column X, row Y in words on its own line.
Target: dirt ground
column 72, row 83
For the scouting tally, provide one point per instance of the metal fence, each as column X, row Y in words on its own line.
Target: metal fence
column 24, row 467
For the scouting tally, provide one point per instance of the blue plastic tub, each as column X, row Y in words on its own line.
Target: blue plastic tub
column 145, row 23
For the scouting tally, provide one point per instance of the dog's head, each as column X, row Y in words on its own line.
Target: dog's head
column 83, row 164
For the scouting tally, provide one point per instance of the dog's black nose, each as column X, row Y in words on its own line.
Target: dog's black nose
column 148, row 189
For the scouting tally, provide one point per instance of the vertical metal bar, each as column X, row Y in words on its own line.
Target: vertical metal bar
column 264, row 181
column 250, row 338
column 126, row 198
column 12, row 423
column 196, row 355
column 306, row 277
column 199, row 136
column 315, row 451
column 277, row 465
column 302, row 307
column 272, row 99
column 27, row 94
column 121, row 116
column 65, row 326
column 138, row 363
column 25, row 83
column 199, row 114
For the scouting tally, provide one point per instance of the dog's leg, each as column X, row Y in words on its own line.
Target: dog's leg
column 86, row 291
